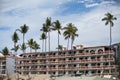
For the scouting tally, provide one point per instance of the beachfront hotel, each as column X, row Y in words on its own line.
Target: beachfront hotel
column 98, row 60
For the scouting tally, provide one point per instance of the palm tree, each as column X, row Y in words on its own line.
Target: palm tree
column 109, row 18
column 35, row 46
column 73, row 36
column 30, row 44
column 15, row 38
column 5, row 51
column 15, row 48
column 45, row 31
column 60, row 47
column 48, row 24
column 43, row 37
column 23, row 47
column 23, row 29
column 57, row 27
column 70, row 32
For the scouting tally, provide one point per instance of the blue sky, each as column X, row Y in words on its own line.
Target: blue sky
column 86, row 15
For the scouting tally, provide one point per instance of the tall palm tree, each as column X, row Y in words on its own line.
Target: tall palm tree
column 35, row 46
column 109, row 18
column 45, row 31
column 74, row 34
column 30, row 44
column 48, row 24
column 23, row 29
column 43, row 38
column 70, row 32
column 15, row 39
column 57, row 27
column 66, row 34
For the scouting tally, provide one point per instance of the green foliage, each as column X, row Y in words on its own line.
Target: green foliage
column 5, row 51
column 35, row 46
column 109, row 19
column 15, row 37
column 60, row 47
column 23, row 47
column 70, row 32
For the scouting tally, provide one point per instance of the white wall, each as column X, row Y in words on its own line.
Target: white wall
column 10, row 64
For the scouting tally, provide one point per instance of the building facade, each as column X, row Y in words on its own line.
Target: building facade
column 7, row 65
column 2, row 65
column 98, row 60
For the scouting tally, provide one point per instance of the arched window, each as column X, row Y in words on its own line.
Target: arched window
column 92, row 51
column 100, row 51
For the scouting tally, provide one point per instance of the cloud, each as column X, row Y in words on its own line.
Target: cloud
column 92, row 30
column 91, row 5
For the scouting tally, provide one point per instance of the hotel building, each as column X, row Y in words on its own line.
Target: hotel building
column 98, row 60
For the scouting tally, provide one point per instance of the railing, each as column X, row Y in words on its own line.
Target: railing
column 66, row 55
column 70, row 68
column 68, row 61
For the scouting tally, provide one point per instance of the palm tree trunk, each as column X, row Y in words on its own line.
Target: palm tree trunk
column 23, row 42
column 110, row 36
column 42, row 45
column 58, row 41
column 49, row 40
column 45, row 43
column 68, row 44
column 71, row 43
column 110, row 45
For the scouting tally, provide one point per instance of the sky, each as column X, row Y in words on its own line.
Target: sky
column 86, row 15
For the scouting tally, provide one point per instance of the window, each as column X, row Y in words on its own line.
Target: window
column 92, row 51
column 100, row 51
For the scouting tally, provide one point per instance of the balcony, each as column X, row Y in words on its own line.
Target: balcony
column 68, row 62
column 67, row 55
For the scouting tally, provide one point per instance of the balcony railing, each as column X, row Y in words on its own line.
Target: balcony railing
column 69, row 68
column 67, row 55
column 66, row 62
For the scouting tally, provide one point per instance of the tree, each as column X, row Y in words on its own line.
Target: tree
column 57, row 27
column 45, row 31
column 23, row 47
column 73, row 36
column 15, row 48
column 15, row 38
column 70, row 32
column 43, row 38
column 30, row 44
column 60, row 47
column 109, row 18
column 48, row 24
column 35, row 46
column 5, row 51
column 23, row 29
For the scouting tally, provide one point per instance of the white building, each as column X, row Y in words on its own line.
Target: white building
column 98, row 60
